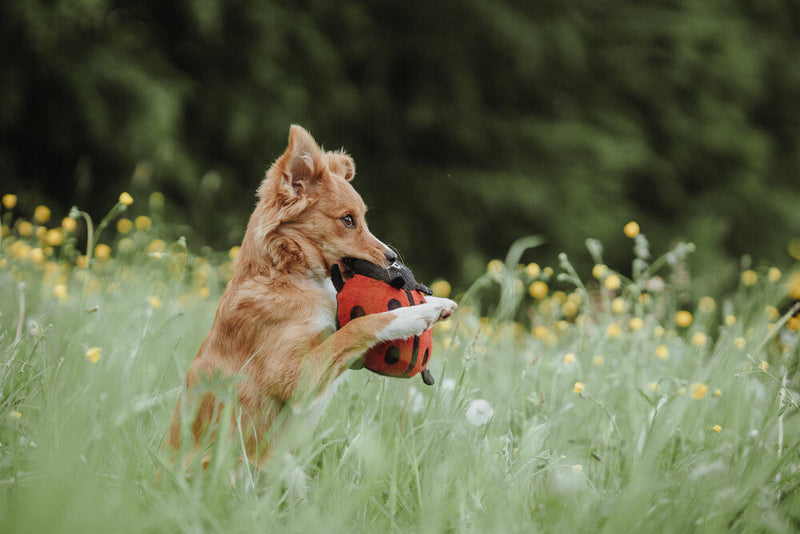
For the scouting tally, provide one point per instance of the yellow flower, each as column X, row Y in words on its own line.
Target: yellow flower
column 631, row 229
column 740, row 342
column 68, row 224
column 441, row 288
column 771, row 312
column 40, row 232
column 764, row 365
column 9, row 201
column 569, row 309
column 125, row 199
column 540, row 332
column 125, row 244
column 683, row 318
column 794, row 285
column 749, row 277
column 533, row 270
column 698, row 390
column 157, row 245
column 730, row 320
column 707, row 304
column 82, row 261
column 569, row 358
column 143, row 222
column 578, row 387
column 154, row 301
column 203, row 292
column 612, row 282
column 36, row 255
column 156, row 200
column 562, row 326
column 618, row 306
column 717, row 429
column 699, row 339
column 93, row 354
column 662, row 352
column 538, row 290
column 124, row 225
column 41, row 214
column 54, row 237
column 14, row 414
column 233, row 252
column 24, row 228
column 793, row 324
column 599, row 271
column 102, row 252
column 794, row 248
column 635, row 324
column 60, row 291
column 614, row 330
column 598, row 360
column 717, row 392
column 548, row 272
column 774, row 274
column 659, row 331
column 653, row 386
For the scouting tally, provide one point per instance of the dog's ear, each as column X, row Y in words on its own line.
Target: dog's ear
column 341, row 164
column 298, row 169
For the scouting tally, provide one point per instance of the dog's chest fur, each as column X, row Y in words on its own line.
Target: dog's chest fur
column 325, row 317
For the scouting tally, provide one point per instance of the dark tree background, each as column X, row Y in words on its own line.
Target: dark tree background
column 472, row 123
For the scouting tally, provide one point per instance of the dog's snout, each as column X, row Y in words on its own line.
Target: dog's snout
column 391, row 256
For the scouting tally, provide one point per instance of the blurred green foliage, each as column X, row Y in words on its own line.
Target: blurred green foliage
column 472, row 123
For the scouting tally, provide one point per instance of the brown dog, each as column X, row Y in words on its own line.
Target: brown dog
column 275, row 325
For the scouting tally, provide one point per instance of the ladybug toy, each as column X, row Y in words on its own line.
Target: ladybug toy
column 374, row 289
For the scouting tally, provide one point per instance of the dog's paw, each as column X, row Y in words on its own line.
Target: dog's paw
column 414, row 320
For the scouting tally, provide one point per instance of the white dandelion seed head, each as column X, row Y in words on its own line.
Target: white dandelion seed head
column 479, row 412
column 448, row 385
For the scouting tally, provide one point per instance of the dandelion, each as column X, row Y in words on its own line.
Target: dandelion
column 618, row 306
column 774, row 274
column 612, row 282
column 124, row 225
column 479, row 412
column 68, row 224
column 125, row 199
column 14, row 414
column 730, row 320
column 578, row 388
column 707, row 304
column 635, row 324
column 599, row 271
column 538, row 290
column 740, row 342
column 749, row 277
column 93, row 354
column 143, row 222
column 441, row 288
column 41, row 214
column 683, row 318
column 102, row 252
column 154, row 302
column 699, row 339
column 698, row 390
column 494, row 267
column 662, row 352
column 233, row 252
column 598, row 360
column 764, row 365
column 631, row 229
column 9, row 201
column 569, row 358
column 533, row 270
column 717, row 429
column 614, row 330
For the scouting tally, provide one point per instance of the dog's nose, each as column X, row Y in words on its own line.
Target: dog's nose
column 391, row 256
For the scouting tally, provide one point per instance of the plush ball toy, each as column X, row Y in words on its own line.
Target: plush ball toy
column 374, row 289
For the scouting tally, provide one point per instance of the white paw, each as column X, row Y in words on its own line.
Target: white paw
column 414, row 320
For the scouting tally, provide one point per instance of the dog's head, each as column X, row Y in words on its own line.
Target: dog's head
column 307, row 202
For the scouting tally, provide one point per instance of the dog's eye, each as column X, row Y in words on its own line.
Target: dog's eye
column 349, row 221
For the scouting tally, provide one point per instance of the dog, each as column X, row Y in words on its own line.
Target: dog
column 275, row 327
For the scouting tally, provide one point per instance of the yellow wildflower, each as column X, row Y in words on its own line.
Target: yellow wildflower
column 68, row 224
column 93, row 354
column 569, row 309
column 102, row 252
column 157, row 245
column 569, row 358
column 40, row 232
column 794, row 248
column 612, row 282
column 683, row 318
column 653, row 386
column 495, row 267
column 793, row 324
column 124, row 225
column 698, row 390
column 14, row 414
column 614, row 330
column 24, row 228
column 699, row 339
column 41, row 214
column 598, row 360
column 764, row 365
column 538, row 290
column 662, row 352
column 36, row 255
column 599, row 271
column 578, row 387
column 631, row 229
column 635, row 324
column 9, row 201
column 533, row 270
column 125, row 244
column 125, row 199
column 60, row 291
column 54, row 237
column 548, row 272
column 774, row 274
column 707, row 304
column 740, row 342
column 659, row 331
column 82, row 261
column 203, row 292
column 717, row 392
column 540, row 332
column 730, row 320
column 233, row 252
column 143, row 222
column 794, row 285
column 717, row 429
column 441, row 288
column 618, row 306
column 154, row 301
column 749, row 277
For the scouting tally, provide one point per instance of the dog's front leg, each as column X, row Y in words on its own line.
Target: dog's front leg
column 325, row 362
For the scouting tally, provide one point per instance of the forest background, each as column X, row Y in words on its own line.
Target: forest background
column 471, row 123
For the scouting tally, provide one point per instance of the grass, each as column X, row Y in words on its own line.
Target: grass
column 592, row 421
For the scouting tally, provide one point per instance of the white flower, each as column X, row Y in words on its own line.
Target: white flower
column 448, row 385
column 479, row 412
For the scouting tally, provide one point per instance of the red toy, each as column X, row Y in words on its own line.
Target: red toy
column 373, row 289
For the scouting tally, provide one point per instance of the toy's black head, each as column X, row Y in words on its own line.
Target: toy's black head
column 396, row 274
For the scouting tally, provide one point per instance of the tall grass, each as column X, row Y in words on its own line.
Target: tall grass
column 599, row 412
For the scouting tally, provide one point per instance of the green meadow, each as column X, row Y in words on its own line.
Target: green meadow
column 619, row 400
